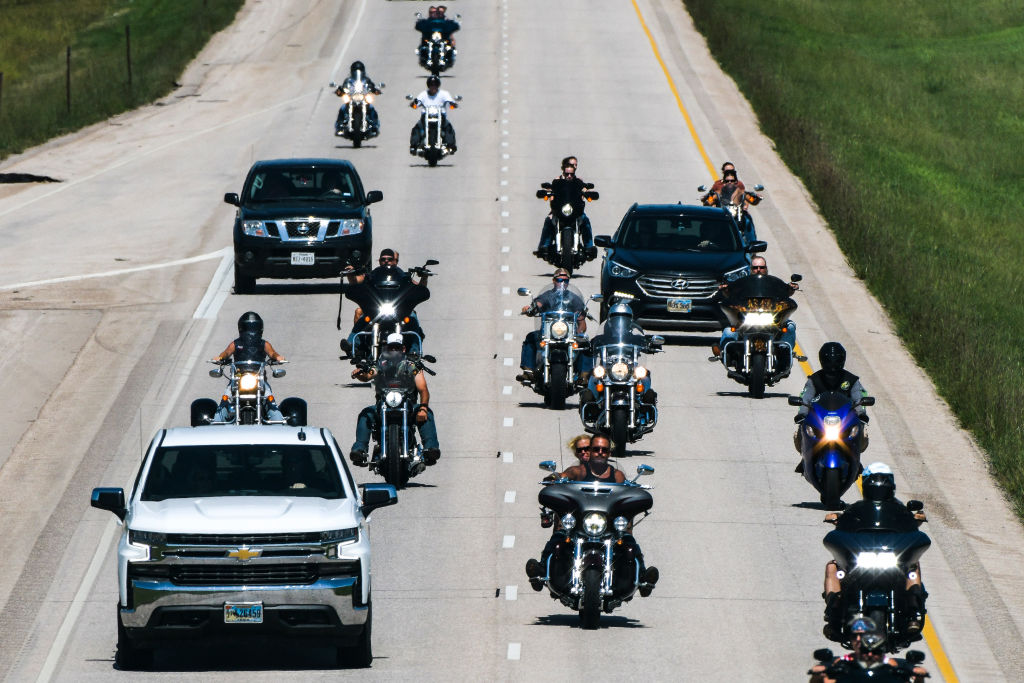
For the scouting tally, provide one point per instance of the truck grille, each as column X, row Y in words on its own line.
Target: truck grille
column 302, row 229
column 228, row 575
column 312, row 537
column 672, row 286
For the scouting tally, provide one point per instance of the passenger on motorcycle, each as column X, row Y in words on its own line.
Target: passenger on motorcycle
column 547, row 234
column 433, row 96
column 358, row 81
column 386, row 271
column 732, row 190
column 548, row 298
column 831, row 377
column 437, row 21
column 758, row 266
column 879, row 507
column 394, row 363
column 868, row 653
column 248, row 346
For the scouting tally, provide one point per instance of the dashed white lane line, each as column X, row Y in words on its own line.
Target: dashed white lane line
column 504, row 143
column 506, row 390
column 504, row 214
column 514, row 651
column 511, row 592
column 508, row 542
column 504, row 156
column 507, row 422
column 506, row 249
column 504, row 182
column 510, row 496
column 506, row 290
column 504, row 169
column 507, row 336
column 504, row 269
column 506, row 457
column 504, row 197
column 504, row 230
column 508, row 362
column 508, row 312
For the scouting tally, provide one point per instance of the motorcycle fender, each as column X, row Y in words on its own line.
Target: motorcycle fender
column 621, row 398
column 558, row 354
column 832, row 460
column 592, row 559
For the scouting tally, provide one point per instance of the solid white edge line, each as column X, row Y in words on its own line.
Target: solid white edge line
column 216, row 292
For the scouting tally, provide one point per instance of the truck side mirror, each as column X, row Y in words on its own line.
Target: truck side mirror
column 109, row 499
column 374, row 196
column 377, row 496
column 231, row 198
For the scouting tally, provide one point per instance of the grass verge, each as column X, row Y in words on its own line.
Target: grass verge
column 165, row 36
column 903, row 118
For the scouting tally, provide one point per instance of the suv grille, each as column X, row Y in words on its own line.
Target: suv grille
column 681, row 285
column 228, row 575
column 302, row 229
column 312, row 537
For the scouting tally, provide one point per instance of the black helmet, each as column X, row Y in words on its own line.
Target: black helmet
column 250, row 322
column 356, row 66
column 433, row 80
column 878, row 483
column 832, row 357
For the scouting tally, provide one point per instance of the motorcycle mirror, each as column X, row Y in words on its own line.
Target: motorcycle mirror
column 432, row 262
column 279, row 372
column 549, row 465
column 333, row 84
column 756, row 247
column 702, row 188
column 542, row 194
column 796, row 277
column 915, row 505
column 374, row 196
column 914, row 656
column 523, row 291
column 867, row 401
column 546, row 186
column 795, row 401
column 758, row 188
column 231, row 198
column 657, row 340
column 409, row 97
column 419, row 16
column 597, row 297
column 429, row 358
column 589, row 186
column 382, row 85
column 825, row 655
column 641, row 470
column 217, row 372
column 592, row 194
column 458, row 98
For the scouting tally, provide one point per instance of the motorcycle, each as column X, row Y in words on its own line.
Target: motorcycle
column 737, row 209
column 876, row 553
column 386, row 308
column 623, row 407
column 845, row 671
column 831, row 443
column 359, row 124
column 560, row 344
column 432, row 147
column 594, row 568
column 757, row 308
column 249, row 394
column 568, row 249
column 397, row 454
column 436, row 53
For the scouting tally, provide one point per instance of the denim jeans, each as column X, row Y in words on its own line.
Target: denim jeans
column 368, row 418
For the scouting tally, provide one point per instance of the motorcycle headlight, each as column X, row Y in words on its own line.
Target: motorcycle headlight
column 620, row 371
column 639, row 372
column 350, row 226
column 758, row 319
column 358, row 97
column 345, row 98
column 598, row 371
column 595, row 523
column 387, row 310
column 619, row 270
column 737, row 274
column 436, row 35
column 248, row 382
column 621, row 524
column 833, row 427
column 393, row 399
column 566, row 209
column 559, row 329
column 876, row 560
column 255, row 229
column 369, row 98
column 568, row 521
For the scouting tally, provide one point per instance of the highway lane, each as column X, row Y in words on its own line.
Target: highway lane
column 740, row 555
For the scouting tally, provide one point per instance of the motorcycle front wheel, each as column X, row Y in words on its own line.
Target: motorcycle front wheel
column 830, row 494
column 620, row 430
column 757, row 375
column 558, row 386
column 395, row 472
column 590, row 613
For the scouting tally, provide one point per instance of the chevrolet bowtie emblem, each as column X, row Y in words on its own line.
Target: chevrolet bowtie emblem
column 246, row 553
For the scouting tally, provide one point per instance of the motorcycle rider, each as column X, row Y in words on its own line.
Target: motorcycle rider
column 545, row 300
column 248, row 346
column 437, row 21
column 868, row 653
column 394, row 363
column 433, row 96
column 735, row 192
column 879, row 504
column 758, row 266
column 623, row 311
column 595, row 469
column 547, row 234
column 358, row 79
column 832, row 377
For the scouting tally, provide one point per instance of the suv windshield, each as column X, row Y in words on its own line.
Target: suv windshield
column 679, row 233
column 302, row 184
column 243, row 470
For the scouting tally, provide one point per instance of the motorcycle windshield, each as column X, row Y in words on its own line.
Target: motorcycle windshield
column 868, row 516
column 758, row 287
column 877, row 550
column 832, row 402
column 619, row 330
column 387, row 303
column 611, row 499
column 567, row 193
column 558, row 302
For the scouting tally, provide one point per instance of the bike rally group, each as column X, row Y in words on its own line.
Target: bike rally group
column 874, row 596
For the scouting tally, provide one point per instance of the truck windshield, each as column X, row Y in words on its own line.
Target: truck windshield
column 243, row 470
column 302, row 184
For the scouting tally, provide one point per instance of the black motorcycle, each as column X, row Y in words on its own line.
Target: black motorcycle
column 875, row 552
column 845, row 671
column 757, row 308
column 567, row 212
column 360, row 119
column 387, row 307
column 436, row 52
column 594, row 567
column 249, row 395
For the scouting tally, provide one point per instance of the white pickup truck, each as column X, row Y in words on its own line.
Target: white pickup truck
column 242, row 531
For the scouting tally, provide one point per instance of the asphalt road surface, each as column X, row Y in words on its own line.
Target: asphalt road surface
column 114, row 290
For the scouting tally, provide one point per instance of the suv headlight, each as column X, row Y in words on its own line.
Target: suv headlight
column 737, row 274
column 595, row 523
column 559, row 329
column 393, row 399
column 255, row 229
column 350, row 226
column 619, row 270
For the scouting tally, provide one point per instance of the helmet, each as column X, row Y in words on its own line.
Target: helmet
column 433, row 80
column 250, row 322
column 878, row 483
column 832, row 357
column 357, row 66
column 620, row 309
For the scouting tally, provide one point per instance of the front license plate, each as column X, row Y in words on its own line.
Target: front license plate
column 679, row 305
column 243, row 613
column 303, row 258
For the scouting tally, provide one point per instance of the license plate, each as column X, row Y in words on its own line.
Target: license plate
column 243, row 613
column 679, row 305
column 303, row 258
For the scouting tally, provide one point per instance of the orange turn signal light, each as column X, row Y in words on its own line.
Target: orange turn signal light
column 599, row 387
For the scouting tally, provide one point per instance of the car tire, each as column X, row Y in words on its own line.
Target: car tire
column 129, row 656
column 359, row 655
column 244, row 284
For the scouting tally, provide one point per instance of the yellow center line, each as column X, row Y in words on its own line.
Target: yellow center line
column 930, row 636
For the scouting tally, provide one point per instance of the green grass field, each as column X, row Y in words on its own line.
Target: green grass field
column 165, row 36
column 905, row 119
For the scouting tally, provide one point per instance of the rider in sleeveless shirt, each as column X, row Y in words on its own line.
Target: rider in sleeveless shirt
column 249, row 346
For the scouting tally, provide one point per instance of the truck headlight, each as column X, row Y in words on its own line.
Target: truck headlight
column 595, row 523
column 255, row 228
column 350, row 226
column 393, row 399
column 146, row 537
column 340, row 535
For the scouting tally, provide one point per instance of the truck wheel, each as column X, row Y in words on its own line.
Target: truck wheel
column 244, row 284
column 360, row 654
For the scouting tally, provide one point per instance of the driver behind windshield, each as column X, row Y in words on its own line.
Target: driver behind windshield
column 549, row 299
